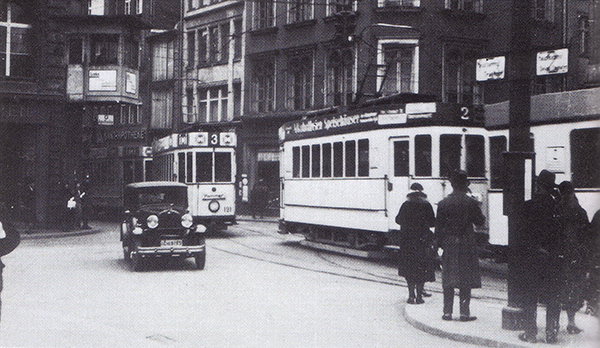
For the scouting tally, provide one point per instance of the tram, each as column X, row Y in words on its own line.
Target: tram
column 205, row 162
column 344, row 176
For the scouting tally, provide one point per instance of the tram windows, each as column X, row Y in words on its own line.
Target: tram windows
column 316, row 161
column 475, row 155
column 350, row 158
column 189, row 166
column 181, row 167
column 363, row 157
column 203, row 167
column 222, row 166
column 327, row 160
column 338, row 159
column 296, row 162
column 585, row 151
column 497, row 148
column 401, row 158
column 423, row 165
column 305, row 161
column 450, row 149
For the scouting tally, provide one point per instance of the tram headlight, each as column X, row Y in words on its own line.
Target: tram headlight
column 200, row 229
column 214, row 206
column 187, row 221
column 152, row 221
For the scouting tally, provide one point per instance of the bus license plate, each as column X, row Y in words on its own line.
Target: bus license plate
column 171, row 242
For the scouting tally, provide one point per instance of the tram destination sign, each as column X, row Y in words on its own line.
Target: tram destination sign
column 399, row 114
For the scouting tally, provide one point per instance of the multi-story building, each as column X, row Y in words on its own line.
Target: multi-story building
column 35, row 130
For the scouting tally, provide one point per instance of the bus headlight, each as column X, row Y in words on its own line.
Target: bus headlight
column 214, row 206
column 187, row 221
column 152, row 221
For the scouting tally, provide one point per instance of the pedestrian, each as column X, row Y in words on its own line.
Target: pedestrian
column 259, row 198
column 540, row 252
column 9, row 240
column 574, row 224
column 85, row 204
column 592, row 288
column 455, row 234
column 416, row 261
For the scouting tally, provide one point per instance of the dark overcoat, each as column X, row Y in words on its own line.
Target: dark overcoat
column 415, row 260
column 454, row 233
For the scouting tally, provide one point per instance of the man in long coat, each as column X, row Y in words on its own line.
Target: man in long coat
column 454, row 233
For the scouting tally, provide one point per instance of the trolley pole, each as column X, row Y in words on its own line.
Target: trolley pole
column 519, row 72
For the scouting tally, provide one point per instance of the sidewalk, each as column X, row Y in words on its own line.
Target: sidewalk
column 28, row 231
column 487, row 329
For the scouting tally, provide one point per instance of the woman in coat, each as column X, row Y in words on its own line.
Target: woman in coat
column 416, row 263
column 454, row 233
column 574, row 223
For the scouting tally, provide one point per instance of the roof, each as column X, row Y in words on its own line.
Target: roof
column 154, row 184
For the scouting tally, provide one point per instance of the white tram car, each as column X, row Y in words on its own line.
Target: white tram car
column 205, row 162
column 345, row 176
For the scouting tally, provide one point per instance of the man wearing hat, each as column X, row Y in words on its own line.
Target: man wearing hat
column 454, row 233
column 539, row 250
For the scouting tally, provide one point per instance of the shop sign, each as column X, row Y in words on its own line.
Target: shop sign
column 106, row 120
column 490, row 68
column 552, row 62
column 121, row 135
column 102, row 80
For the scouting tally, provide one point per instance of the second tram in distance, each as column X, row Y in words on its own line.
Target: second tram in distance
column 345, row 176
column 205, row 161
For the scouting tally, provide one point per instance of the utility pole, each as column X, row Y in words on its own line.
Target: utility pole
column 519, row 72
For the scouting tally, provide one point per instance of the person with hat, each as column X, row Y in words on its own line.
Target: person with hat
column 540, row 254
column 415, row 260
column 454, row 233
column 9, row 240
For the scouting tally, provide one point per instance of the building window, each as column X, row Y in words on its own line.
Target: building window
column 203, row 57
column 337, row 6
column 162, row 61
column 191, row 49
column 105, row 50
column 212, row 104
column 237, row 36
column 585, row 157
column 459, row 77
column 465, row 5
column 213, row 44
column 263, row 86
column 399, row 3
column 131, row 53
column 15, row 47
column 264, row 14
column 76, row 51
column 190, row 115
column 584, row 34
column 300, row 10
column 299, row 82
column 401, row 71
column 162, row 109
column 543, row 10
column 129, row 114
column 339, row 78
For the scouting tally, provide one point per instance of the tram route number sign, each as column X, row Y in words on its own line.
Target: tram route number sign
column 194, row 139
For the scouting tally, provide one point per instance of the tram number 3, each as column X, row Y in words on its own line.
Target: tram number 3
column 214, row 139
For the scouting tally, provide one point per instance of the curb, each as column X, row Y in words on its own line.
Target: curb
column 480, row 341
column 57, row 234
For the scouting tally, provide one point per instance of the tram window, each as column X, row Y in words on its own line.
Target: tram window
column 327, row 160
column 296, row 162
column 351, row 158
column 585, row 151
column 316, row 161
column 475, row 155
column 305, row 161
column 401, row 158
column 203, row 167
column 363, row 157
column 338, row 159
column 450, row 149
column 189, row 167
column 222, row 166
column 181, row 167
column 423, row 155
column 497, row 148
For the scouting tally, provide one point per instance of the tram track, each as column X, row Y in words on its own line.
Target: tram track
column 328, row 264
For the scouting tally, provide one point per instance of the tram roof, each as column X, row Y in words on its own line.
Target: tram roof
column 143, row 184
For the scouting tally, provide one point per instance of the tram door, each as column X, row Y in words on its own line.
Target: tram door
column 397, row 177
